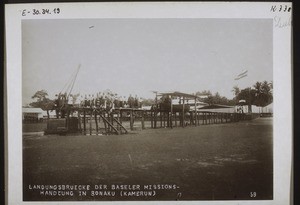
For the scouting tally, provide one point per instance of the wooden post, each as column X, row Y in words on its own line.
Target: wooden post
column 111, row 118
column 91, row 114
column 180, row 118
column 221, row 117
column 79, row 121
column 214, row 117
column 175, row 119
column 84, row 122
column 171, row 117
column 168, row 119
column 165, row 119
column 208, row 118
column 160, row 117
column 195, row 111
column 105, row 126
column 118, row 118
column 67, row 118
column 143, row 120
column 131, row 119
column 96, row 121
column 155, row 118
column 121, row 116
column 99, row 119
column 108, row 119
column 151, row 118
column 183, row 112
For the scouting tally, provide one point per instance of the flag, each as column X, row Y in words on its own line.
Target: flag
column 241, row 75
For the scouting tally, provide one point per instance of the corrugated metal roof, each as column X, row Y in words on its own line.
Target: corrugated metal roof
column 215, row 106
column 32, row 110
column 179, row 94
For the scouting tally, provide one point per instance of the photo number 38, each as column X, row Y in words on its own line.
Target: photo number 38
column 253, row 194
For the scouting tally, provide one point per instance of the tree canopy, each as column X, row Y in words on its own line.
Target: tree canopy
column 42, row 101
column 260, row 94
column 215, row 98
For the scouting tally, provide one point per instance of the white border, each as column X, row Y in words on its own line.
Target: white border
column 281, row 63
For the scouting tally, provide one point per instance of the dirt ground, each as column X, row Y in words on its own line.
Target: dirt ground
column 208, row 162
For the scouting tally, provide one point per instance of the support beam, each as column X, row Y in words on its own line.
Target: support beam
column 195, row 111
column 121, row 126
column 84, row 122
column 183, row 112
column 79, row 120
column 160, row 116
column 131, row 119
column 151, row 118
column 96, row 122
column 143, row 120
column 91, row 114
column 155, row 118
column 171, row 116
column 109, row 124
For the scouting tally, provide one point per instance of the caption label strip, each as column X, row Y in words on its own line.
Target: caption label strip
column 101, row 190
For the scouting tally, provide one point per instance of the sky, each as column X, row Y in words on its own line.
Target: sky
column 138, row 56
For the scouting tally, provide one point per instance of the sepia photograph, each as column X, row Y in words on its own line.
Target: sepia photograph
column 147, row 109
column 121, row 108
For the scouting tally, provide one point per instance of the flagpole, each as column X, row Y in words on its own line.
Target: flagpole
column 244, row 74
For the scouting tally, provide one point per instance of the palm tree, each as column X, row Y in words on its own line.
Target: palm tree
column 263, row 93
column 267, row 92
column 236, row 90
column 266, row 88
column 258, row 87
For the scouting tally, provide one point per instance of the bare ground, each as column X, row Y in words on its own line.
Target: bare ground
column 208, row 162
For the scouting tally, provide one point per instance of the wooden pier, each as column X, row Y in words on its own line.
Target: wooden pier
column 93, row 121
column 90, row 120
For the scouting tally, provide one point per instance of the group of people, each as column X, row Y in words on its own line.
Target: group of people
column 105, row 101
column 240, row 109
column 59, row 103
column 109, row 102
